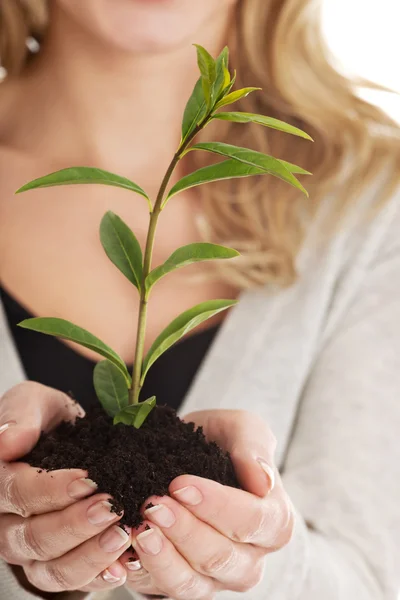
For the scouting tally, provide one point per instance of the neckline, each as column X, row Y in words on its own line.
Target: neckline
column 23, row 313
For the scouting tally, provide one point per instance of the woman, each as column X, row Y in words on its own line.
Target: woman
column 311, row 350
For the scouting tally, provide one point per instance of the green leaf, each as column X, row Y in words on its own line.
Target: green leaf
column 195, row 111
column 208, row 71
column 111, row 387
column 186, row 256
column 235, row 96
column 135, row 414
column 69, row 331
column 228, row 169
column 228, row 87
column 223, row 77
column 180, row 326
column 241, row 117
column 122, row 247
column 81, row 175
column 267, row 163
column 294, row 168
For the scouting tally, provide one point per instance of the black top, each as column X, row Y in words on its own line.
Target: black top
column 49, row 361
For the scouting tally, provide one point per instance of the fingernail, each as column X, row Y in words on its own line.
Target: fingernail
column 109, row 577
column 150, row 541
column 100, row 513
column 6, row 426
column 134, row 565
column 113, row 539
column 189, row 495
column 81, row 488
column 268, row 470
column 161, row 515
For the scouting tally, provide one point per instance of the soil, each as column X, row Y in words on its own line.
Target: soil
column 133, row 464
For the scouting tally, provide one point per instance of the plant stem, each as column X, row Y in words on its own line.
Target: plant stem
column 148, row 253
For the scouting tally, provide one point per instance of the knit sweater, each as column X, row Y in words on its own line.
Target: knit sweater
column 320, row 362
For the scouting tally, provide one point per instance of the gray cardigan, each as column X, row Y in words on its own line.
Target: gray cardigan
column 320, row 361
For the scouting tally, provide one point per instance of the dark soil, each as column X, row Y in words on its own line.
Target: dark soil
column 133, row 464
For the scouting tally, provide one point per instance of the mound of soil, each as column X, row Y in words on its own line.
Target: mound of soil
column 133, row 464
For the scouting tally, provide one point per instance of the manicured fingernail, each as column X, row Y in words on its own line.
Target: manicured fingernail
column 160, row 515
column 150, row 541
column 113, row 539
column 6, row 426
column 109, row 577
column 100, row 513
column 268, row 470
column 134, row 565
column 81, row 488
column 188, row 495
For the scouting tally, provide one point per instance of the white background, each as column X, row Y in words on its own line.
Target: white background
column 365, row 36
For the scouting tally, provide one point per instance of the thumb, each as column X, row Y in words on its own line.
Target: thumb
column 249, row 441
column 28, row 409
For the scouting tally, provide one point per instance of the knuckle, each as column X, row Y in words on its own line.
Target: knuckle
column 284, row 514
column 187, row 588
column 287, row 531
column 184, row 537
column 14, row 497
column 220, row 562
column 253, row 527
column 33, row 547
column 57, row 577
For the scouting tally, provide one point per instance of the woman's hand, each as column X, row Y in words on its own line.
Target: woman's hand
column 59, row 536
column 208, row 537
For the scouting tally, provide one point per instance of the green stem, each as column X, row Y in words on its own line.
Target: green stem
column 148, row 253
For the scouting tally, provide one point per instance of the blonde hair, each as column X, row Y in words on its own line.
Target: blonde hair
column 278, row 46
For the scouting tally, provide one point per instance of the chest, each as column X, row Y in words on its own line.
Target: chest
column 52, row 261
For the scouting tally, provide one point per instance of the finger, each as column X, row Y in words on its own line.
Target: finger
column 79, row 567
column 241, row 516
column 28, row 409
column 168, row 570
column 249, row 441
column 138, row 579
column 24, row 491
column 132, row 563
column 49, row 536
column 238, row 567
column 112, row 577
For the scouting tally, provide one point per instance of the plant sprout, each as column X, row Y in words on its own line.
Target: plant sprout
column 117, row 389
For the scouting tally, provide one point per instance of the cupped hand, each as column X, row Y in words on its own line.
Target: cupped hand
column 52, row 526
column 207, row 537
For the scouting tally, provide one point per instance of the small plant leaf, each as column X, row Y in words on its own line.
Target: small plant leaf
column 229, row 86
column 267, row 163
column 135, row 414
column 122, row 247
column 295, row 169
column 208, row 72
column 223, row 77
column 195, row 111
column 180, row 326
column 241, row 117
column 111, row 387
column 68, row 331
column 186, row 255
column 82, row 175
column 227, row 78
column 228, row 169
column 235, row 96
